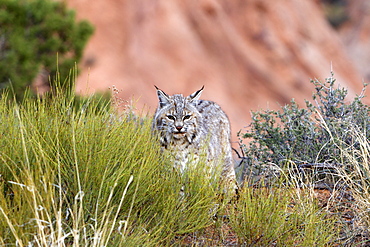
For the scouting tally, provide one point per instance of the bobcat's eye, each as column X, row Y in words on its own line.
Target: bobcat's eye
column 186, row 117
column 171, row 117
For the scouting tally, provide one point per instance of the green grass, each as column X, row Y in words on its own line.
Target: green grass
column 87, row 176
column 84, row 176
column 281, row 216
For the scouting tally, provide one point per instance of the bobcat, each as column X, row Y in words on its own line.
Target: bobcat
column 187, row 125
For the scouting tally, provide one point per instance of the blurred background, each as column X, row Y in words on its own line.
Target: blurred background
column 249, row 54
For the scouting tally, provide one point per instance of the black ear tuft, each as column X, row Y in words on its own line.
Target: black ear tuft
column 196, row 95
column 162, row 97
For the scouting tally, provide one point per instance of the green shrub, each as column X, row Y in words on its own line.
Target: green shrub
column 34, row 34
column 302, row 137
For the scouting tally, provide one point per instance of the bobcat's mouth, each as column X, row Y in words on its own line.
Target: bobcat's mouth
column 179, row 133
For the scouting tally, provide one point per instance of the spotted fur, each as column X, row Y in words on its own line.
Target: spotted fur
column 188, row 124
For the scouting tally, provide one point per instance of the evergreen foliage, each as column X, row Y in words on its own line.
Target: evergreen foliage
column 34, row 34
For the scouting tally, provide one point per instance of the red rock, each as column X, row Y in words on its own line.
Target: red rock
column 249, row 54
column 355, row 33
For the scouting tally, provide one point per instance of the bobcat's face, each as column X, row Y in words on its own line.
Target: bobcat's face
column 180, row 123
column 177, row 117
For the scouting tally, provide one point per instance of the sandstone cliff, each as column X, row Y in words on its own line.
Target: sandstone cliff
column 355, row 34
column 249, row 54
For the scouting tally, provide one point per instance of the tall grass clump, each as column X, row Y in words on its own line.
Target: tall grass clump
column 83, row 175
column 353, row 187
column 281, row 216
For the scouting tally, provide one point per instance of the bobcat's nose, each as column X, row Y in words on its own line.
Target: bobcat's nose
column 179, row 128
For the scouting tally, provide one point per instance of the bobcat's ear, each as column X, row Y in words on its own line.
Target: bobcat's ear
column 162, row 97
column 196, row 95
